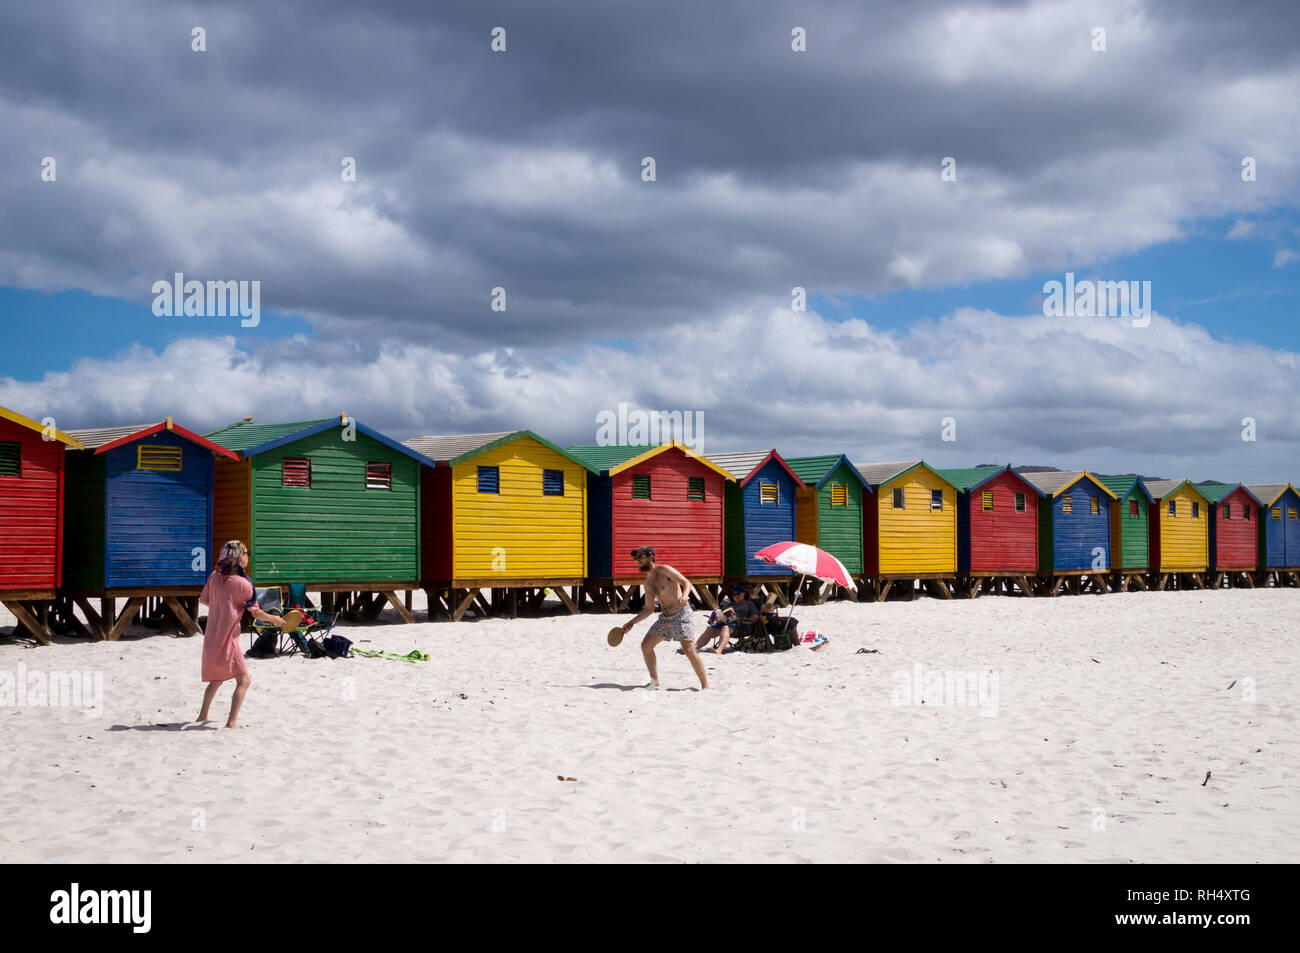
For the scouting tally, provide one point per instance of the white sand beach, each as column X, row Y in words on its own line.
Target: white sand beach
column 1092, row 745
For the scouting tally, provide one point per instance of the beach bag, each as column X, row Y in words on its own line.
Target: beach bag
column 315, row 649
column 336, row 646
column 263, row 645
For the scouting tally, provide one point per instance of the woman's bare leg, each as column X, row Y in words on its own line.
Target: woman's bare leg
column 722, row 641
column 241, row 689
column 209, row 694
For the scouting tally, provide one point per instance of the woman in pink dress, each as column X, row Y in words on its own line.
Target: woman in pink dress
column 228, row 593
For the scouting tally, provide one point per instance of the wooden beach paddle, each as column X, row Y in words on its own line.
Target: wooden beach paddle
column 291, row 619
column 615, row 635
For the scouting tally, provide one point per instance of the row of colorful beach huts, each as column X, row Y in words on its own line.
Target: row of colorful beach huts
column 129, row 516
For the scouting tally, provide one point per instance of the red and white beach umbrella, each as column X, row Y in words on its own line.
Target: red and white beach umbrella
column 807, row 560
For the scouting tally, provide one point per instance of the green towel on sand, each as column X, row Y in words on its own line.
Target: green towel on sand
column 415, row 655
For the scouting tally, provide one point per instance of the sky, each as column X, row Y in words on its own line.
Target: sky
column 920, row 170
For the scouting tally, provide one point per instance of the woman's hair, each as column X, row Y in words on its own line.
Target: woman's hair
column 228, row 561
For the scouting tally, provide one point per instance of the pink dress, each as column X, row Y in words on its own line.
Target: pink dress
column 227, row 598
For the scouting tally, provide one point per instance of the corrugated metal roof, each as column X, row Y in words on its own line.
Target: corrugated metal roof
column 603, row 458
column 1119, row 485
column 1268, row 492
column 963, row 478
column 878, row 473
column 449, row 447
column 92, row 437
column 1216, row 491
column 812, row 469
column 739, row 462
column 1052, row 481
column 1158, row 488
column 245, row 434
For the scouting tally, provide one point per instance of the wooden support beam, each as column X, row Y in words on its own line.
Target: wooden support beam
column 568, row 603
column 30, row 622
column 128, row 613
column 187, row 624
column 402, row 608
column 481, row 603
column 464, row 604
column 885, row 586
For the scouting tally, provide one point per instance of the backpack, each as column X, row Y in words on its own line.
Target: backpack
column 336, row 646
column 263, row 645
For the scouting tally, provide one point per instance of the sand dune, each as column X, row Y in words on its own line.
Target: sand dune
column 796, row 756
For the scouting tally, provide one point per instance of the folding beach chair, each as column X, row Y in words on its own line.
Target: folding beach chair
column 288, row 641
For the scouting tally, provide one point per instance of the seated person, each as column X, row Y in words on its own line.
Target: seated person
column 738, row 609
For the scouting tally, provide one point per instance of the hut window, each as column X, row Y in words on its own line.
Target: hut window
column 899, row 499
column 695, row 489
column 986, row 500
column 552, row 483
column 379, row 476
column 1275, row 512
column 1227, row 511
column 154, row 457
column 295, row 471
column 1067, row 504
column 10, row 458
column 1196, row 510
column 839, row 494
column 767, row 493
column 489, row 479
column 936, row 499
column 1095, row 506
column 1290, row 512
column 1020, row 502
column 1173, row 507
column 1132, row 507
column 1245, row 511
column 640, row 486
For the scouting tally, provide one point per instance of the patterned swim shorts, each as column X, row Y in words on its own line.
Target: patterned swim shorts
column 674, row 626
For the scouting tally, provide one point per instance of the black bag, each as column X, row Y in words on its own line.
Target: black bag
column 336, row 646
column 263, row 645
column 314, row 649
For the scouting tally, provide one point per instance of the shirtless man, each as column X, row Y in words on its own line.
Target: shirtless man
column 668, row 587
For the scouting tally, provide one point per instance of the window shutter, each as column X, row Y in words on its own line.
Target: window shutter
column 489, row 479
column 936, row 499
column 1245, row 511
column 154, row 457
column 1173, row 507
column 11, row 456
column 1132, row 507
column 553, row 483
column 899, row 499
column 1276, row 512
column 295, row 471
column 1095, row 506
column 379, row 476
column 1067, row 505
column 1227, row 511
column 1020, row 502
column 695, row 490
column 767, row 493
column 640, row 486
column 986, row 500
column 1196, row 510
column 1290, row 514
column 839, row 494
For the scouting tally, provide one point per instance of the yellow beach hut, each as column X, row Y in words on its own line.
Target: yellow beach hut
column 1179, row 534
column 501, row 513
column 910, row 528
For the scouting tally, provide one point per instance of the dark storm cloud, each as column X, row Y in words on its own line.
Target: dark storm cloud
column 775, row 168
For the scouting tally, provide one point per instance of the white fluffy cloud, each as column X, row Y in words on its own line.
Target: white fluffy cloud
column 1167, row 399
